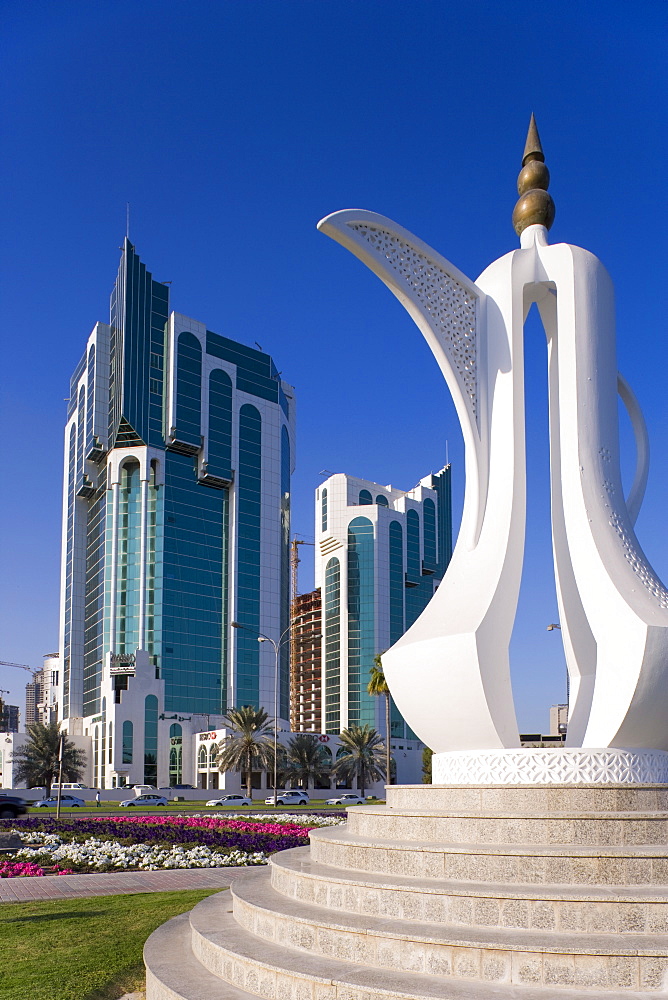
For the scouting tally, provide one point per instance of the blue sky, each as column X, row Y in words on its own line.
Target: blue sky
column 232, row 128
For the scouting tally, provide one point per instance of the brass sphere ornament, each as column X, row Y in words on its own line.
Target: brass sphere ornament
column 535, row 206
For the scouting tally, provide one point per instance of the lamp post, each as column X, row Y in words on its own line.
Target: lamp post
column 283, row 640
column 277, row 644
column 550, row 628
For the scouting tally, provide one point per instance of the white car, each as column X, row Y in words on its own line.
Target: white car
column 288, row 798
column 65, row 800
column 349, row 799
column 231, row 800
column 145, row 800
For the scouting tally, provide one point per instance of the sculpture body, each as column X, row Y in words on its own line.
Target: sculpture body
column 449, row 673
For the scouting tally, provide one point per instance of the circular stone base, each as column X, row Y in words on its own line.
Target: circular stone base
column 562, row 766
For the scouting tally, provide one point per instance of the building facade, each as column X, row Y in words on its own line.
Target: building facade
column 305, row 664
column 42, row 692
column 179, row 447
column 10, row 718
column 380, row 555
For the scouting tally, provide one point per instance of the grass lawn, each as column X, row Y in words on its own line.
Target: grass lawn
column 82, row 949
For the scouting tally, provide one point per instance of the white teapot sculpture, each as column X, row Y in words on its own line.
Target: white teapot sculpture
column 449, row 673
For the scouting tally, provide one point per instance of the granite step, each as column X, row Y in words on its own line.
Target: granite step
column 543, row 864
column 459, row 826
column 174, row 973
column 570, row 908
column 418, row 946
column 531, row 799
column 283, row 972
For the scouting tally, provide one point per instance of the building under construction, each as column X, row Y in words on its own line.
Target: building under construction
column 305, row 664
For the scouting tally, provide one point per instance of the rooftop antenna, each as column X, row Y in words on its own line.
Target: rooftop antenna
column 127, row 220
column 447, row 459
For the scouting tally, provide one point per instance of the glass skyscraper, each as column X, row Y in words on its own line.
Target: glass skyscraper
column 380, row 555
column 179, row 447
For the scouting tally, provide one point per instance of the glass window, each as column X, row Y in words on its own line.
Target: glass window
column 332, row 620
column 323, row 508
column 361, row 621
column 151, row 740
column 189, row 389
column 382, row 500
column 127, row 742
column 364, row 498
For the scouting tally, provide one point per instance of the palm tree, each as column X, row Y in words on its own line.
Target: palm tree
column 362, row 756
column 377, row 686
column 37, row 761
column 305, row 758
column 249, row 745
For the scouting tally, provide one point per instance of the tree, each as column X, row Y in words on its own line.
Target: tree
column 305, row 758
column 250, row 744
column 362, row 757
column 37, row 761
column 377, row 686
column 427, row 754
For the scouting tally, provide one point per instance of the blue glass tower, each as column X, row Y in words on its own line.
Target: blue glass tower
column 179, row 449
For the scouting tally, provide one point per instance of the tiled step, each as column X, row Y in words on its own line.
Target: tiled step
column 590, row 828
column 530, row 800
column 279, row 972
column 572, row 909
column 418, row 946
column 553, row 864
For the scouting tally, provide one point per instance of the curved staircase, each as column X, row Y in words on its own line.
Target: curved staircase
column 448, row 892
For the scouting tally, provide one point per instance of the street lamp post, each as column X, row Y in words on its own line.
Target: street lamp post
column 277, row 645
column 277, row 649
column 550, row 628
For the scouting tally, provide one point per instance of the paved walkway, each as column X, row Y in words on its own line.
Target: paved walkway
column 25, row 890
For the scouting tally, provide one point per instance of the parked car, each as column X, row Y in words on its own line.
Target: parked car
column 173, row 788
column 73, row 784
column 148, row 799
column 348, row 799
column 297, row 791
column 231, row 800
column 288, row 798
column 71, row 801
column 140, row 789
column 11, row 806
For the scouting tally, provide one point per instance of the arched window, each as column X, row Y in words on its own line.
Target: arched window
column 128, row 740
column 249, row 493
column 361, row 632
column 189, row 389
column 382, row 500
column 332, row 621
column 429, row 527
column 413, row 567
column 81, row 423
column 150, row 740
column 90, row 378
column 175, row 731
column 220, row 425
column 111, row 749
column 201, row 759
column 284, row 656
column 396, row 574
column 364, row 498
column 213, row 754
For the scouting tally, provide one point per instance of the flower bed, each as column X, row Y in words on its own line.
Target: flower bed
column 152, row 842
column 27, row 869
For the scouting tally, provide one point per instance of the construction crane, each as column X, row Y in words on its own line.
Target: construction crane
column 294, row 563
column 23, row 666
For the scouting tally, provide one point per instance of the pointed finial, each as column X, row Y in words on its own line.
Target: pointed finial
column 535, row 206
